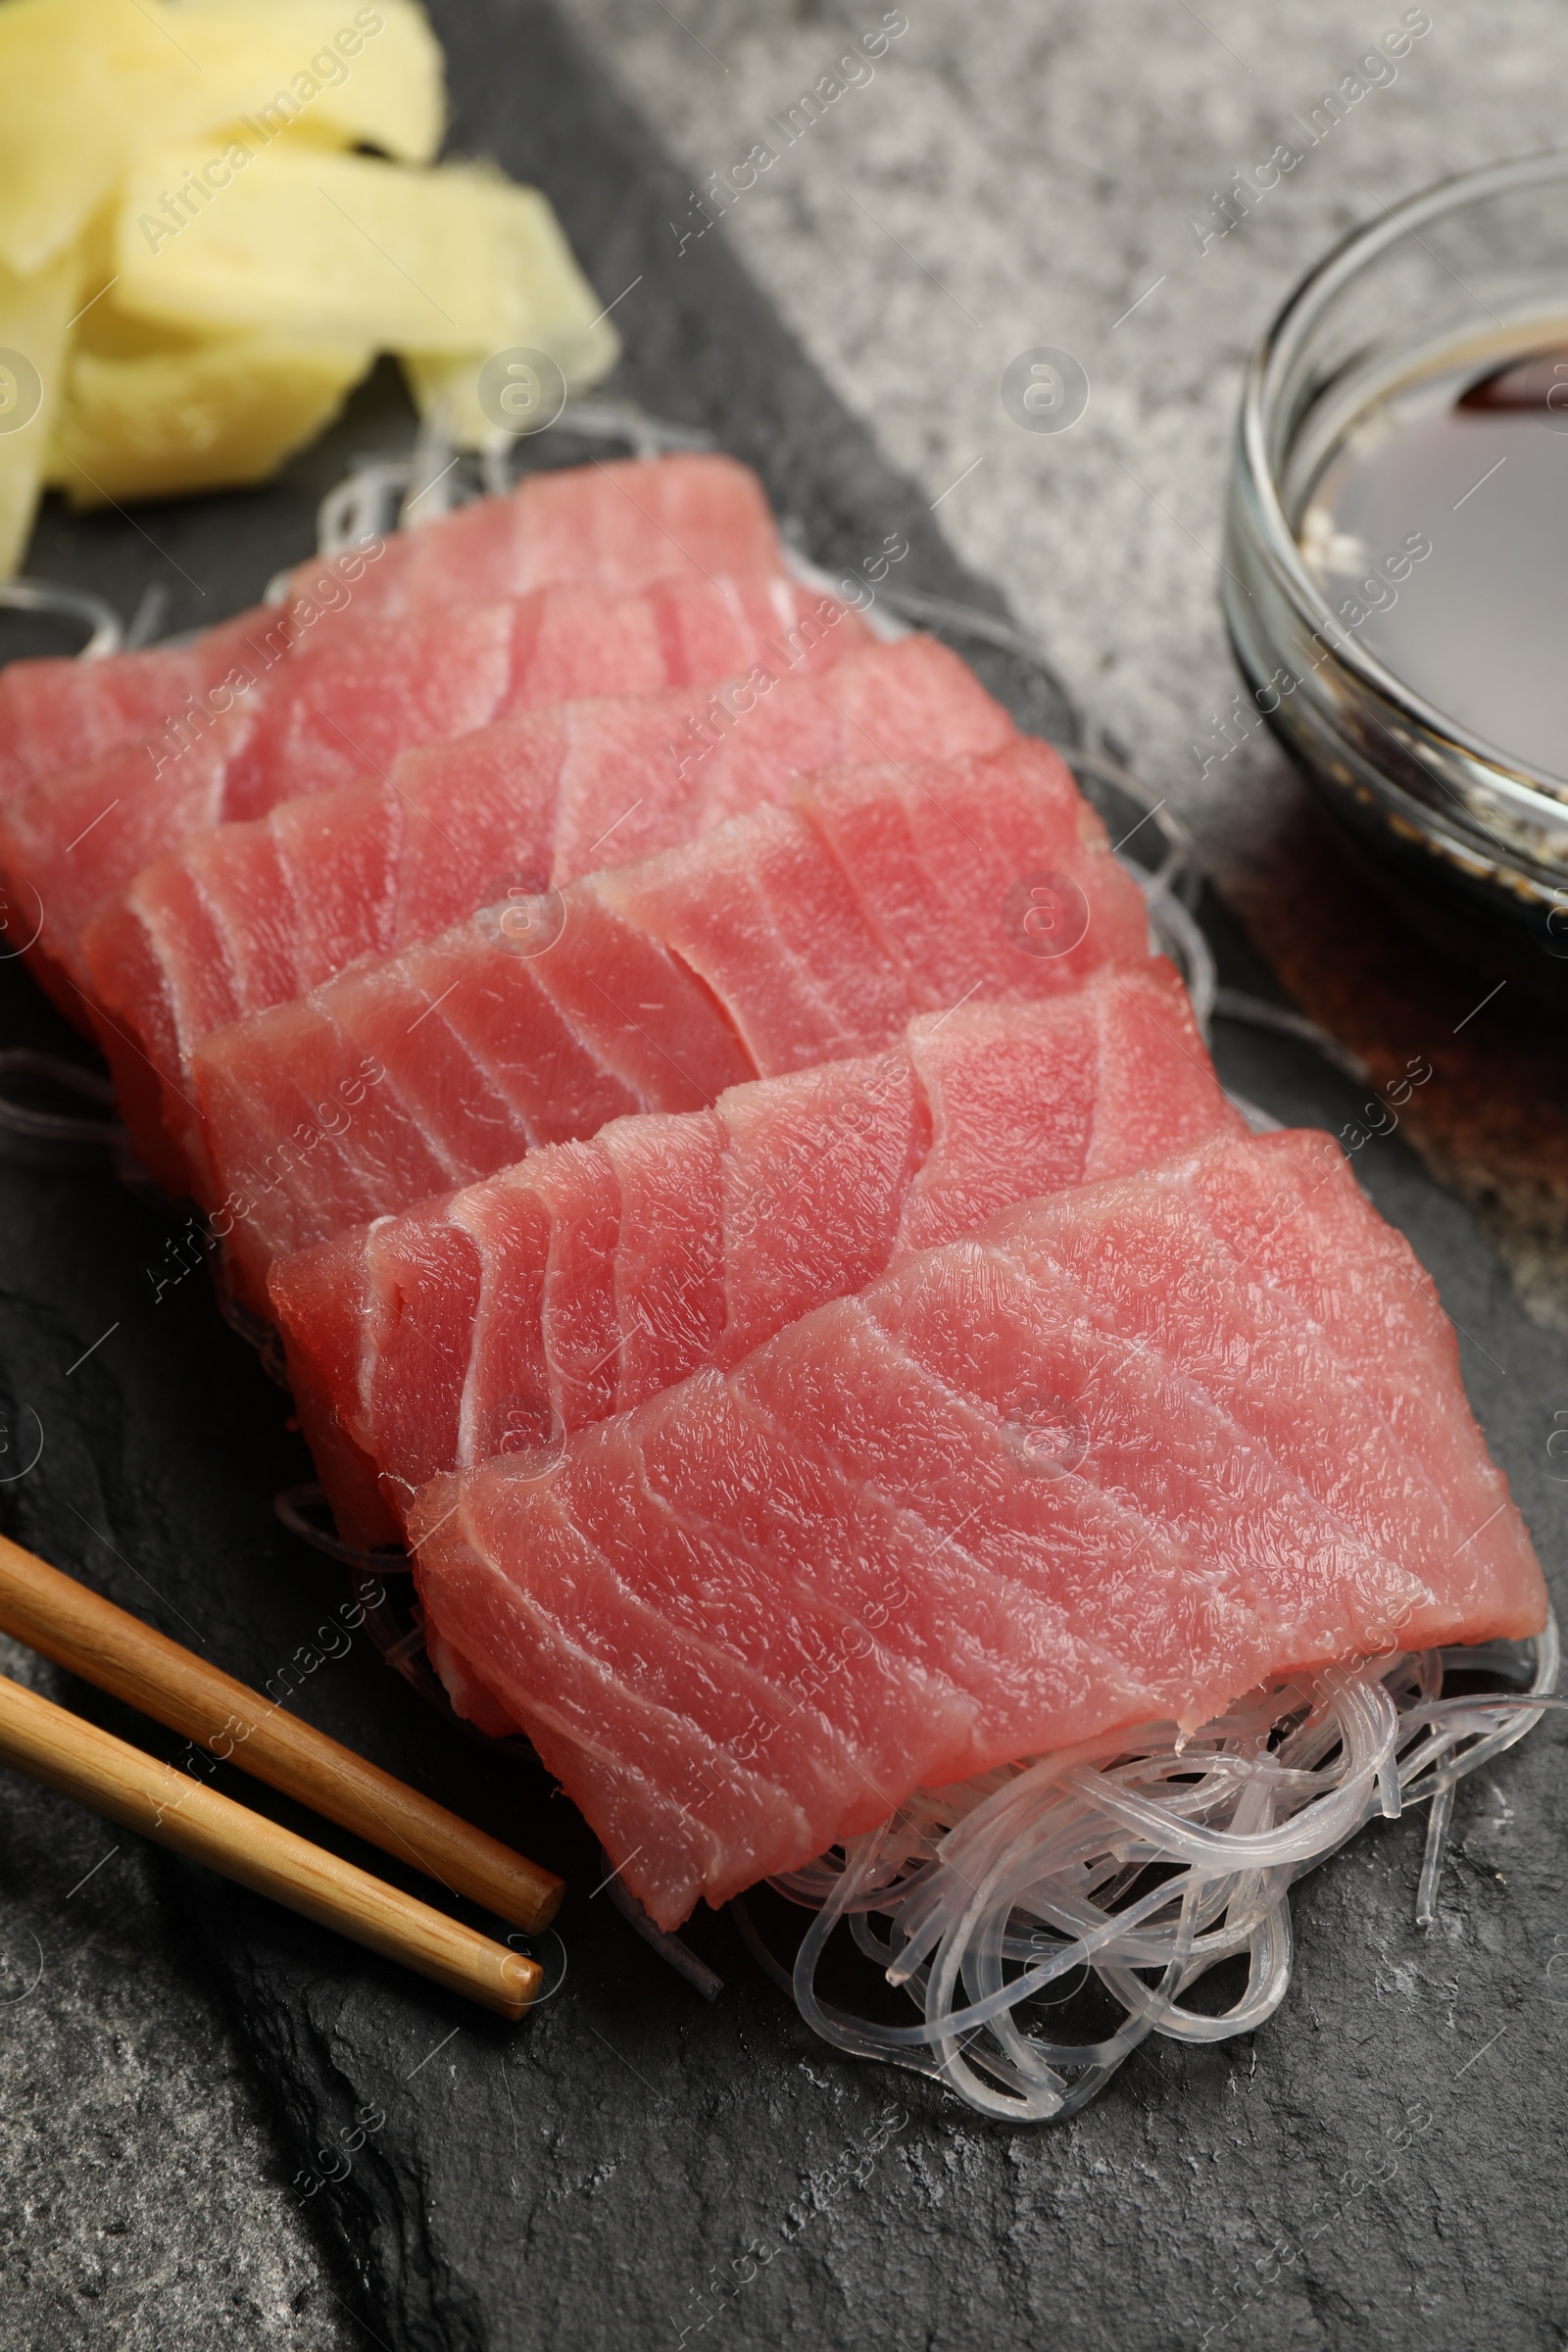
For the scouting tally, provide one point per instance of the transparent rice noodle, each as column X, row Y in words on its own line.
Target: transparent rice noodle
column 1142, row 1860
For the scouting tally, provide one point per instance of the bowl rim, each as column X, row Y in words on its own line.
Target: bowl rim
column 1255, row 472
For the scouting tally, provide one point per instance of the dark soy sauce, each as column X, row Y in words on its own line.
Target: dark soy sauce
column 1438, row 530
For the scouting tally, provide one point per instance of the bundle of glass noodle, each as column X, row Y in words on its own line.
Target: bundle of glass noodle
column 1142, row 1862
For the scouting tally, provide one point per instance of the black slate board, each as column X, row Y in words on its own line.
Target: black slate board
column 1383, row 2163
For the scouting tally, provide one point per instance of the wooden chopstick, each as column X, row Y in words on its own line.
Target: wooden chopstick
column 81, row 1631
column 78, row 1760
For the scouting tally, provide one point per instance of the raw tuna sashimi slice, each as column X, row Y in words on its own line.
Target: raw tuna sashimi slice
column 345, row 705
column 60, row 713
column 617, row 528
column 975, row 877
column 246, row 916
column 755, row 950
column 429, row 1068
column 433, row 1339
column 752, row 1616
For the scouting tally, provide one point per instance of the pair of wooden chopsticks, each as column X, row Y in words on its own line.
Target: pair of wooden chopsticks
column 81, row 1630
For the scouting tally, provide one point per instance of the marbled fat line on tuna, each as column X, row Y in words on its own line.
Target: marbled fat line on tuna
column 782, row 938
column 245, row 915
column 1279, row 1466
column 500, row 1318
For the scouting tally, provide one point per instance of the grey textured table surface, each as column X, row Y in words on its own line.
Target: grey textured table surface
column 1015, row 176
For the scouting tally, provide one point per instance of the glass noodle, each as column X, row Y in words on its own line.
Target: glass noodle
column 1142, row 1860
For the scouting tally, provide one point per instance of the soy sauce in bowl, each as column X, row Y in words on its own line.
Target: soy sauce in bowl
column 1438, row 530
column 1396, row 552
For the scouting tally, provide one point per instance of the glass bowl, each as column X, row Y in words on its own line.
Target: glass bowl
column 1457, row 282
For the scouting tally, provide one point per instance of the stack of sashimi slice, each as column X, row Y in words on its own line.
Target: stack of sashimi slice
column 689, row 1083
